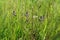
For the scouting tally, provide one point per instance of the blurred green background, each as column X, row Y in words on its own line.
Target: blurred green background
column 29, row 19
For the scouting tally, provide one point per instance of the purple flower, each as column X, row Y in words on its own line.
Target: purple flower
column 14, row 13
column 27, row 14
column 41, row 18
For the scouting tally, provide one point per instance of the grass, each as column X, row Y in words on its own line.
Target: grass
column 17, row 22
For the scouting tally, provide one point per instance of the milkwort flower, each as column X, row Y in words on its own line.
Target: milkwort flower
column 14, row 13
column 27, row 15
column 41, row 18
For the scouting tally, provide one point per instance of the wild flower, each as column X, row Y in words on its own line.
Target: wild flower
column 34, row 16
column 41, row 18
column 27, row 14
column 14, row 13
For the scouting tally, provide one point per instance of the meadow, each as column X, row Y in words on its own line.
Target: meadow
column 29, row 19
